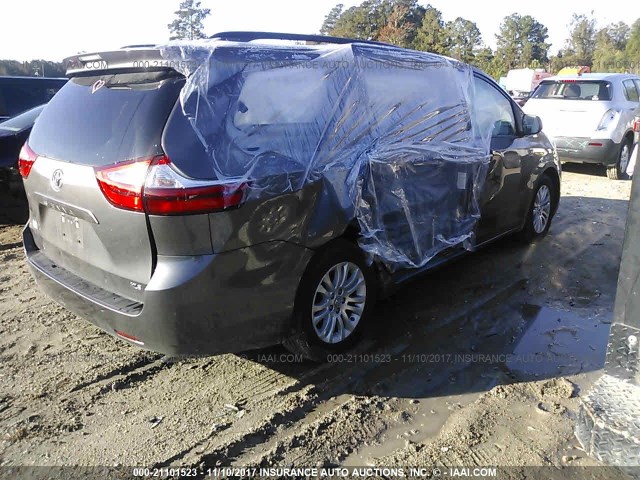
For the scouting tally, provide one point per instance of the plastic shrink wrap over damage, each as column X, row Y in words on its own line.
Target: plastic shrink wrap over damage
column 389, row 132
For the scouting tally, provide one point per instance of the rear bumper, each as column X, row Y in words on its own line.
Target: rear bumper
column 587, row 150
column 196, row 305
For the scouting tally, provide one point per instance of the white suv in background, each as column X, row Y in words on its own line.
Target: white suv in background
column 590, row 117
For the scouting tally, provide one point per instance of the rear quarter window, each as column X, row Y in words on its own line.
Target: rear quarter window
column 630, row 91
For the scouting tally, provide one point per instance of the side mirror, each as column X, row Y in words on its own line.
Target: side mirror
column 531, row 125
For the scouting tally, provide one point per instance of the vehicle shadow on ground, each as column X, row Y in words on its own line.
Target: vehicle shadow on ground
column 591, row 169
column 485, row 319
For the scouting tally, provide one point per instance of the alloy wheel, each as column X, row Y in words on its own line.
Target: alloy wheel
column 541, row 209
column 338, row 303
column 625, row 156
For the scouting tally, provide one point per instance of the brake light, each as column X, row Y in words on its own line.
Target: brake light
column 152, row 185
column 166, row 192
column 122, row 183
column 26, row 159
column 636, row 125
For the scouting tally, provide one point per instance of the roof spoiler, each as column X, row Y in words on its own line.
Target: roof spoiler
column 241, row 36
column 128, row 59
column 147, row 57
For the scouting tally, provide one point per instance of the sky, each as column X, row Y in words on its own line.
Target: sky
column 52, row 30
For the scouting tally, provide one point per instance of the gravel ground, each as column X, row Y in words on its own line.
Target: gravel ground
column 532, row 320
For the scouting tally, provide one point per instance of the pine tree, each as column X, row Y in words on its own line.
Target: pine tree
column 188, row 22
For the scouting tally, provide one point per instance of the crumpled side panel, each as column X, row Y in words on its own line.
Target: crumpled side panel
column 391, row 130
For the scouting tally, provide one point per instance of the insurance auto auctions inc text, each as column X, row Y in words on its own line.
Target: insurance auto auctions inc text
column 354, row 472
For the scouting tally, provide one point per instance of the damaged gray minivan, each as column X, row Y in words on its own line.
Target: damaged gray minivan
column 228, row 194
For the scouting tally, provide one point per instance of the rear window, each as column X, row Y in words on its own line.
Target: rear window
column 574, row 90
column 20, row 94
column 100, row 120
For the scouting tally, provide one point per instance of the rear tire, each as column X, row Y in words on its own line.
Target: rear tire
column 619, row 170
column 334, row 302
column 541, row 210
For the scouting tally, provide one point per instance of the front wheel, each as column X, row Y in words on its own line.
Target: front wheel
column 334, row 302
column 541, row 211
column 619, row 170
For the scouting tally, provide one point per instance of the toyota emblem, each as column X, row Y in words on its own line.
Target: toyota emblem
column 56, row 180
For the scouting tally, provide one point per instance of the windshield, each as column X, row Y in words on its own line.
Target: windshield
column 574, row 90
column 23, row 121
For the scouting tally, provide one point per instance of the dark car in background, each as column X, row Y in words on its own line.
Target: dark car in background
column 18, row 94
column 201, row 226
column 13, row 133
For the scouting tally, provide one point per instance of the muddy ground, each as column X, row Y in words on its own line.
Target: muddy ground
column 532, row 320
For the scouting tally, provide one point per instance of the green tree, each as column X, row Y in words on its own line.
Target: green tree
column 407, row 24
column 361, row 22
column 609, row 54
column 619, row 34
column 521, row 41
column 581, row 43
column 412, row 19
column 632, row 49
column 188, row 22
column 331, row 19
column 393, row 21
column 462, row 39
column 431, row 35
column 485, row 60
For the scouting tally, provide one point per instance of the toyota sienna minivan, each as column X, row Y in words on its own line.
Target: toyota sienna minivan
column 241, row 193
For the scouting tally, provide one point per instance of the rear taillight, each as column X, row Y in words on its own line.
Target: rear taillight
column 636, row 125
column 122, row 183
column 166, row 192
column 609, row 119
column 26, row 159
column 154, row 186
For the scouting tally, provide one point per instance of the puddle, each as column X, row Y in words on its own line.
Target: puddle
column 558, row 343
column 500, row 342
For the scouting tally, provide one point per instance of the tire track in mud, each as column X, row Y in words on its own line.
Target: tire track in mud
column 292, row 401
column 327, row 436
column 119, row 371
column 270, row 438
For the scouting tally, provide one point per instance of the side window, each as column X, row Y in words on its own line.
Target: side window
column 492, row 111
column 637, row 82
column 630, row 91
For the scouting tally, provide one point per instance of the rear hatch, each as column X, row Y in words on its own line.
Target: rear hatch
column 570, row 108
column 97, row 120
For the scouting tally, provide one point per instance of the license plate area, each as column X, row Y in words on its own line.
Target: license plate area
column 70, row 230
